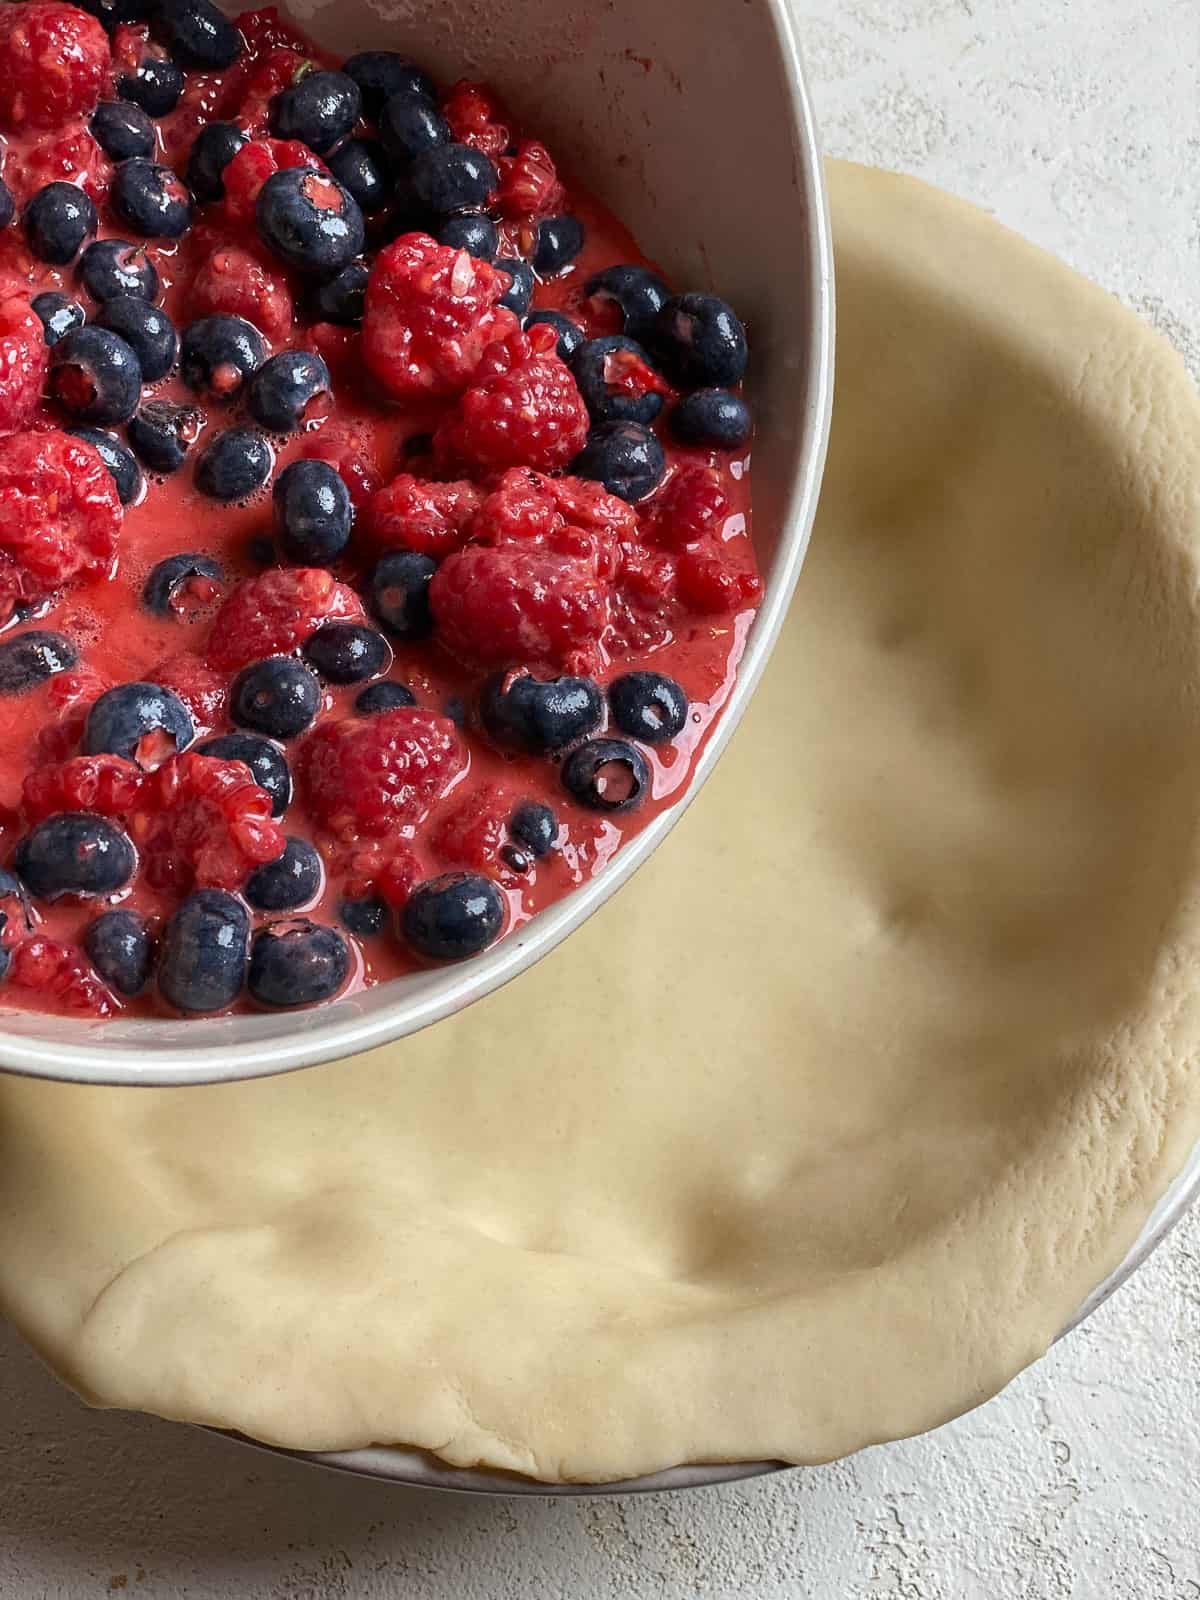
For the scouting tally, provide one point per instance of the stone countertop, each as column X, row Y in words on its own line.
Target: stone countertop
column 1078, row 122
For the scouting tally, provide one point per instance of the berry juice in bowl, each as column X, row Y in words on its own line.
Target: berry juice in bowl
column 377, row 556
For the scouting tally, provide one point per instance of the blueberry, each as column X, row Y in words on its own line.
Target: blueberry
column 309, row 220
column 473, row 232
column 366, row 917
column 57, row 221
column 162, row 433
column 534, row 826
column 606, row 775
column 456, row 915
column 625, row 457
column 526, row 713
column 279, row 697
column 648, row 706
column 155, row 85
column 341, row 298
column 559, row 240
column 377, row 697
column 713, row 418
column 203, row 954
column 217, row 354
column 150, row 199
column 30, row 658
column 126, row 473
column 455, row 707
column 398, row 593
column 165, row 590
column 147, row 329
column 450, row 178
column 518, row 860
column 363, row 167
column 119, row 946
column 59, row 314
column 139, row 721
column 74, row 853
column 112, row 13
column 380, row 74
column 347, row 652
column 109, row 267
column 122, row 130
column 213, row 148
column 599, row 366
column 313, row 512
column 289, row 390
column 570, row 334
column 700, row 341
column 297, row 963
column 637, row 293
column 410, row 124
column 294, row 879
column 233, row 464
column 518, row 297
column 266, row 761
column 8, row 206
column 318, row 108
column 197, row 34
column 94, row 374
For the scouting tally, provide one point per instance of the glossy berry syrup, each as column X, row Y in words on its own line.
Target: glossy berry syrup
column 375, row 544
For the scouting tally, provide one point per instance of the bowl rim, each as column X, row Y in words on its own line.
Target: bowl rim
column 347, row 1033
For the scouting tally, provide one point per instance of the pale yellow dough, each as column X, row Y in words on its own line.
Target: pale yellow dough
column 823, row 1128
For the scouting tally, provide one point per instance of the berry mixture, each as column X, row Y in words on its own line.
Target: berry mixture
column 375, row 544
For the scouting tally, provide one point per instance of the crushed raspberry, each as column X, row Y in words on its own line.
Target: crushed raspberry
column 264, row 30
column 276, row 70
column 24, row 359
column 412, row 514
column 202, row 690
column 710, row 583
column 571, row 516
column 524, row 410
column 511, row 606
column 529, row 183
column 386, row 867
column 63, row 972
column 68, row 155
column 692, row 505
column 431, row 313
column 472, row 115
column 472, row 832
column 233, row 281
column 337, row 345
column 106, row 784
column 648, row 576
column 204, row 822
column 366, row 777
column 54, row 61
column 275, row 613
column 60, row 515
column 348, row 451
column 78, row 687
column 70, row 696
column 253, row 165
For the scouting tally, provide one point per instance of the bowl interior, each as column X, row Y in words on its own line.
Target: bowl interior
column 735, row 203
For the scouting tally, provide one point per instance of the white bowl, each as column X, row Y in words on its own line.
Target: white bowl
column 693, row 123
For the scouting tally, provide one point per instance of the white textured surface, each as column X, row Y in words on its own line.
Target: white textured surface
column 1078, row 121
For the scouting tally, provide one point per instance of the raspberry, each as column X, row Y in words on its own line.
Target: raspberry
column 525, row 410
column 202, row 690
column 570, row 516
column 24, row 359
column 203, row 822
column 471, row 113
column 346, row 450
column 515, row 606
column 264, row 30
column 66, row 156
column 276, row 70
column 106, row 784
column 236, row 282
column 692, row 506
column 79, row 687
column 54, row 60
column 371, row 775
column 59, row 514
column 647, row 576
column 709, row 583
column 63, row 972
column 431, row 313
column 70, row 695
column 529, row 185
column 275, row 613
column 472, row 832
column 411, row 514
column 253, row 165
column 386, row 867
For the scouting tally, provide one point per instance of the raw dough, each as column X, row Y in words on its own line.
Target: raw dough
column 824, row 1127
